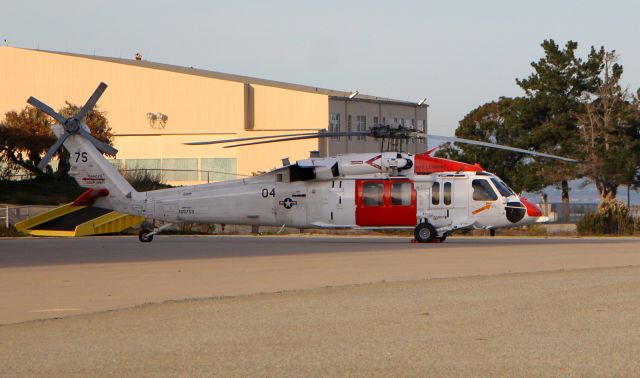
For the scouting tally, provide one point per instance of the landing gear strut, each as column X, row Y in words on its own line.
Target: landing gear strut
column 146, row 235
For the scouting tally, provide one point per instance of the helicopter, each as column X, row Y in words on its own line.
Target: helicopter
column 390, row 189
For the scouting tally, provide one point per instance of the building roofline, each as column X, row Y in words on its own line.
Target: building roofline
column 332, row 93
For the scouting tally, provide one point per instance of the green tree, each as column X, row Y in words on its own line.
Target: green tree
column 25, row 137
column 610, row 131
column 555, row 88
column 495, row 122
column 546, row 118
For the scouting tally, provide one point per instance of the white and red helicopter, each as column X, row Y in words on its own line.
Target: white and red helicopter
column 379, row 190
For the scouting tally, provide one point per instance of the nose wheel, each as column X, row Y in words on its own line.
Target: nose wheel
column 144, row 236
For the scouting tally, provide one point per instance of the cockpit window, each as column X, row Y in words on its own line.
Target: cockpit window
column 502, row 187
column 435, row 193
column 482, row 191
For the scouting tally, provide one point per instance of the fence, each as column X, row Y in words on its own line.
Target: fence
column 188, row 174
column 573, row 212
column 19, row 176
column 14, row 214
column 5, row 218
column 203, row 175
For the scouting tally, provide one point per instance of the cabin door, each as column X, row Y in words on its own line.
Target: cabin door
column 385, row 203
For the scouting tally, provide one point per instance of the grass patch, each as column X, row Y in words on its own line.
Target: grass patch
column 10, row 232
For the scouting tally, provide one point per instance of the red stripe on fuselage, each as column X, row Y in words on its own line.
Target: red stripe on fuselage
column 532, row 209
column 426, row 164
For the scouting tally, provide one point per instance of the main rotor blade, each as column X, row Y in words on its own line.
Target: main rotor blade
column 499, row 146
column 91, row 102
column 99, row 145
column 243, row 139
column 52, row 150
column 47, row 109
column 317, row 135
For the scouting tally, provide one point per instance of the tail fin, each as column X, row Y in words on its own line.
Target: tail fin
column 91, row 170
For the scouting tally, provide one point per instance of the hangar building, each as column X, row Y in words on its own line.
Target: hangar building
column 153, row 108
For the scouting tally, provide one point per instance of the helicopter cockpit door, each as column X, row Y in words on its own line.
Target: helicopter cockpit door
column 483, row 200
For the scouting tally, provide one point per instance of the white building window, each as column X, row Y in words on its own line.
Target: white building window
column 180, row 169
column 334, row 125
column 362, row 126
column 218, row 169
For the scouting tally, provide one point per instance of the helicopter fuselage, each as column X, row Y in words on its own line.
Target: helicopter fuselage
column 358, row 191
column 362, row 191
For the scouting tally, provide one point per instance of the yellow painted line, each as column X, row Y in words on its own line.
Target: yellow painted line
column 55, row 310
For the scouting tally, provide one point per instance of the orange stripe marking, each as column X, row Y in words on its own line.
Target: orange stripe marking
column 487, row 206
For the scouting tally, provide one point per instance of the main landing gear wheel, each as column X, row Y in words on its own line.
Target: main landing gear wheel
column 442, row 238
column 144, row 236
column 424, row 233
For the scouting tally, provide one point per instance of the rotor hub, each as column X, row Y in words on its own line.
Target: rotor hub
column 72, row 125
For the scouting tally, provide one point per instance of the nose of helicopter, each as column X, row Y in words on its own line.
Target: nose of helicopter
column 534, row 211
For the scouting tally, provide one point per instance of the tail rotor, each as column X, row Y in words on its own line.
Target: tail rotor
column 73, row 125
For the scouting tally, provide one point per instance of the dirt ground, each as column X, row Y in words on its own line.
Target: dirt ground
column 583, row 322
column 318, row 306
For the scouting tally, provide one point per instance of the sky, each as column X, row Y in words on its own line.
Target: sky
column 457, row 54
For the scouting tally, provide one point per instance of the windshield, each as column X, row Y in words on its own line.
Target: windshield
column 482, row 191
column 502, row 187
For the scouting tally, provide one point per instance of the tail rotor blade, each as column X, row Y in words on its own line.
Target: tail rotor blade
column 91, row 102
column 47, row 109
column 99, row 145
column 52, row 150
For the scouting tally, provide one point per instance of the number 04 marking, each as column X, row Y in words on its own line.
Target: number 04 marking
column 266, row 193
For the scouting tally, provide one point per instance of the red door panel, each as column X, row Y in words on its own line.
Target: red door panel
column 385, row 203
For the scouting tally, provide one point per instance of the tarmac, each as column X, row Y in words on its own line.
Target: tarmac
column 300, row 305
